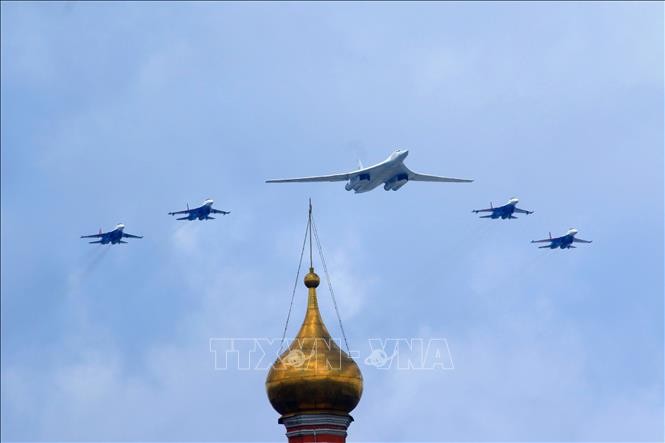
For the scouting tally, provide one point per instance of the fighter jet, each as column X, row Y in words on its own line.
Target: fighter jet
column 113, row 237
column 563, row 242
column 503, row 212
column 391, row 173
column 202, row 212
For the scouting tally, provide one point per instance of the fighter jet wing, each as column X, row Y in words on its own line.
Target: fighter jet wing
column 318, row 178
column 475, row 211
column 217, row 211
column 543, row 241
column 579, row 240
column 93, row 236
column 125, row 235
column 523, row 211
column 414, row 176
column 187, row 211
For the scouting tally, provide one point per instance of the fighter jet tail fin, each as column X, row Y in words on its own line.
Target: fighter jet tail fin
column 541, row 247
column 182, row 218
column 512, row 216
column 360, row 164
column 98, row 241
column 485, row 216
column 550, row 236
column 122, row 241
column 210, row 218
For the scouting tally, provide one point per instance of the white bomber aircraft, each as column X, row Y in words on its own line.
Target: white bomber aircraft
column 392, row 173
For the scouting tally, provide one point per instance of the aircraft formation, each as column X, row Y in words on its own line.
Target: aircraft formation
column 117, row 234
column 392, row 173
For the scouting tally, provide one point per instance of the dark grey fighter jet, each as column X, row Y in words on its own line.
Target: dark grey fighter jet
column 202, row 212
column 503, row 212
column 113, row 237
column 563, row 242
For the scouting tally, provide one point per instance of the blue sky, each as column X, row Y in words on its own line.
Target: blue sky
column 123, row 112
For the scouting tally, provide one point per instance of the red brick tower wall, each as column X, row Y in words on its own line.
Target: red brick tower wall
column 316, row 428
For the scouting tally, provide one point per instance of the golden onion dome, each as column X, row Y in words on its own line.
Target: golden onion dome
column 314, row 375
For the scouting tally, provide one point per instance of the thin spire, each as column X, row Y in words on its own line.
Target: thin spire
column 309, row 226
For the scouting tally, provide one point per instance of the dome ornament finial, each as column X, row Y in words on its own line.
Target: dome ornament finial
column 312, row 280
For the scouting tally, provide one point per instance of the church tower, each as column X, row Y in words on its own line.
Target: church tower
column 314, row 384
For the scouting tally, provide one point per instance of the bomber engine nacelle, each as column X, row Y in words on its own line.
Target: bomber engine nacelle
column 357, row 182
column 396, row 182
